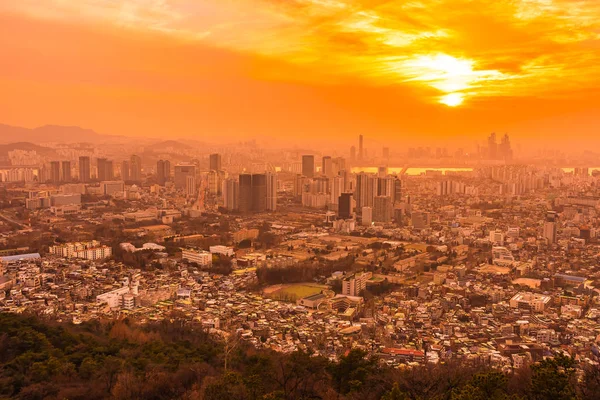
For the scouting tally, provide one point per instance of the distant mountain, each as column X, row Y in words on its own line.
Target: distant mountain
column 167, row 144
column 41, row 150
column 53, row 133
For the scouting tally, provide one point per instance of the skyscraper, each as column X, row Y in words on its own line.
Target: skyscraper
column 366, row 190
column 360, row 148
column 308, row 166
column 215, row 162
column 66, row 171
column 352, row 154
column 336, row 188
column 505, row 148
column 84, row 169
column 55, row 171
column 135, row 166
column 245, row 186
column 492, row 147
column 253, row 193
column 105, row 170
column 327, row 167
column 182, row 171
column 163, row 172
column 190, row 185
column 259, row 192
column 271, row 204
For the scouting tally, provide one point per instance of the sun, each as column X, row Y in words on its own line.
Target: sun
column 452, row 99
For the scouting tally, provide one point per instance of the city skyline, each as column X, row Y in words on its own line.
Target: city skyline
column 529, row 68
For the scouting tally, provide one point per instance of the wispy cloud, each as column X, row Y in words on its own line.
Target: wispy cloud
column 459, row 48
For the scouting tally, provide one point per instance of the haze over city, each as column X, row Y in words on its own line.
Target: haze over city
column 303, row 70
column 299, row 199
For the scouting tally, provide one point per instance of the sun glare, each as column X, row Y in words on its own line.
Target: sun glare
column 452, row 99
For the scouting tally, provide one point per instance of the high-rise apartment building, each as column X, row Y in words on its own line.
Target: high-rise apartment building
column 382, row 209
column 308, row 166
column 327, row 167
column 231, row 194
column 66, row 171
column 366, row 190
column 135, row 166
column 105, row 170
column 55, row 171
column 85, row 169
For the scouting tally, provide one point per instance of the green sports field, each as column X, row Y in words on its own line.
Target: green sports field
column 296, row 291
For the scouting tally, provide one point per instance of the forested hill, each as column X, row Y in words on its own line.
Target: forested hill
column 173, row 360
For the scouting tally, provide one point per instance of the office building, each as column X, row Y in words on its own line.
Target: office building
column 182, row 171
column 215, row 162
column 85, row 169
column 308, row 166
column 163, row 172
column 111, row 188
column 135, row 168
column 253, row 193
column 200, row 257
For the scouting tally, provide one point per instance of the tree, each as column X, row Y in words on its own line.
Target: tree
column 395, row 394
column 352, row 371
column 553, row 379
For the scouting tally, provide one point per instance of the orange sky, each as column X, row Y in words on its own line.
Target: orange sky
column 305, row 69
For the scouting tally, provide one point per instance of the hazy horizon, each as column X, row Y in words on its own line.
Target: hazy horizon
column 319, row 71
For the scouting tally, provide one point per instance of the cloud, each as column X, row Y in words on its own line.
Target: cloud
column 499, row 48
